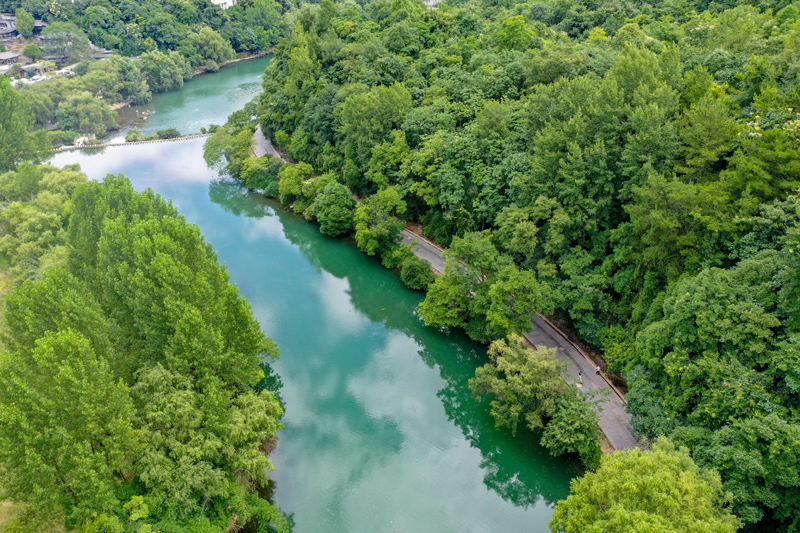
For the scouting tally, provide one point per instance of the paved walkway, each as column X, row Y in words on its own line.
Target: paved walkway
column 614, row 420
column 263, row 146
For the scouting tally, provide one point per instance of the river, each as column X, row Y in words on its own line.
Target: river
column 204, row 100
column 381, row 433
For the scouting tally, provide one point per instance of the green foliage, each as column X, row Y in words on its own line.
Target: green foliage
column 333, row 207
column 136, row 374
column 633, row 168
column 210, row 45
column 262, row 173
column 527, row 388
column 573, row 429
column 377, row 226
column 82, row 112
column 661, row 490
column 16, row 120
column 525, row 384
column 164, row 71
column 169, row 133
column 65, row 42
column 25, row 23
column 76, row 101
column 483, row 292
column 37, row 205
column 228, row 149
column 514, row 34
column 416, row 273
column 74, row 465
column 32, row 51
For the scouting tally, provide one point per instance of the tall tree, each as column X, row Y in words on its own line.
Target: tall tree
column 16, row 119
column 660, row 491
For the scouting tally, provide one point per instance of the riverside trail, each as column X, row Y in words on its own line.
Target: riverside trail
column 615, row 421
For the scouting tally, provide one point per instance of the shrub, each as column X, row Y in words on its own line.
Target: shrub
column 169, row 133
column 416, row 273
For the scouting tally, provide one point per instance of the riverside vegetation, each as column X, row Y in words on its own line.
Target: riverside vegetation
column 173, row 39
column 632, row 167
column 136, row 385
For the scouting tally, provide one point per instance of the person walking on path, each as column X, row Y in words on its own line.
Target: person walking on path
column 579, row 376
column 597, row 371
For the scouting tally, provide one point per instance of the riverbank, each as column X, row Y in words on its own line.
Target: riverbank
column 199, row 71
column 373, row 394
column 614, row 419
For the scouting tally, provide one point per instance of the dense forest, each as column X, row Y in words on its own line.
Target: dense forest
column 631, row 167
column 170, row 41
column 136, row 385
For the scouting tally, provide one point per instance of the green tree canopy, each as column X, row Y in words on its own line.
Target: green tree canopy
column 334, row 209
column 662, row 491
column 16, row 120
column 25, row 23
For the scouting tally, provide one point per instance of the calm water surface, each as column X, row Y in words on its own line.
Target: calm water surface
column 204, row 100
column 381, row 431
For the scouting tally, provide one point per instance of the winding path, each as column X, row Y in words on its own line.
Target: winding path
column 614, row 419
column 615, row 422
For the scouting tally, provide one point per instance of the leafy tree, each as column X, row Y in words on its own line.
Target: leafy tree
column 169, row 133
column 574, row 429
column 334, row 209
column 515, row 34
column 210, row 45
column 65, row 43
column 291, row 179
column 228, row 149
column 262, row 173
column 516, row 296
column 150, row 359
column 377, row 226
column 16, row 120
column 416, row 273
column 25, row 23
column 83, row 113
column 164, row 71
column 759, row 461
column 32, row 51
column 661, row 490
column 524, row 384
column 76, row 464
column 526, row 387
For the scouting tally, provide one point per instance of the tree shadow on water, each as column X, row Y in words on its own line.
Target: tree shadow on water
column 515, row 467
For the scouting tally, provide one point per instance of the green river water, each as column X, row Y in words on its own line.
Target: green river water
column 381, row 433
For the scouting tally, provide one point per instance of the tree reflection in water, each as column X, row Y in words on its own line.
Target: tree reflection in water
column 517, row 469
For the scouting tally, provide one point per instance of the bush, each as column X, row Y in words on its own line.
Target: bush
column 133, row 135
column 62, row 138
column 416, row 273
column 32, row 51
column 169, row 133
column 261, row 173
column 271, row 189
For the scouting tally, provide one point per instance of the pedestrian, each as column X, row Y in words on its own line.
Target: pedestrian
column 579, row 376
column 597, row 371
